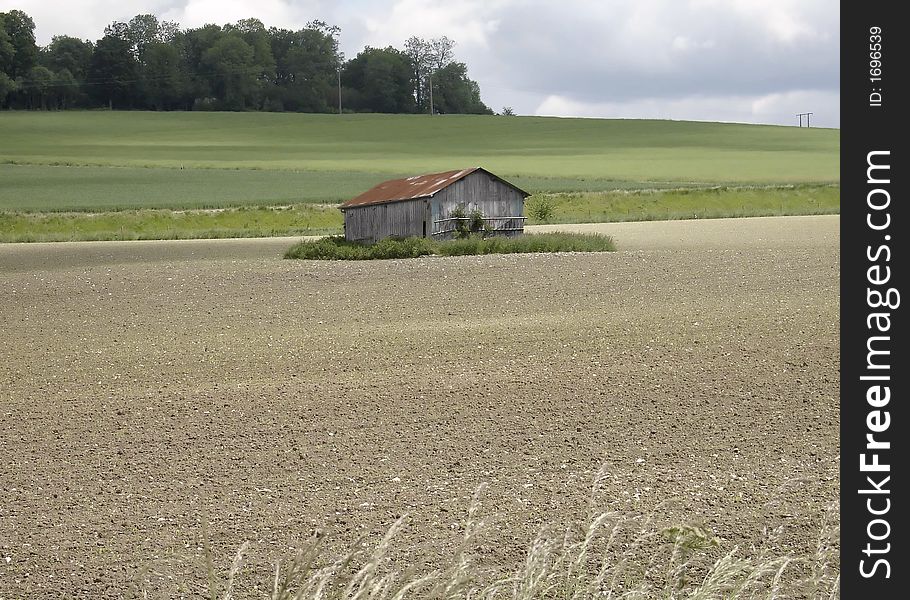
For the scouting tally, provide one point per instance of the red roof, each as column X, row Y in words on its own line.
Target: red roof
column 411, row 188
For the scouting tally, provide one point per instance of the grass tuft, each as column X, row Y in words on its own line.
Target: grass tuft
column 611, row 555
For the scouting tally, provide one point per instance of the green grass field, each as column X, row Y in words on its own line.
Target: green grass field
column 100, row 161
column 39, row 188
column 703, row 203
column 165, row 224
column 317, row 219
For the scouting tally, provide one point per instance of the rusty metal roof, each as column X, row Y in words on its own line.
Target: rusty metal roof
column 411, row 188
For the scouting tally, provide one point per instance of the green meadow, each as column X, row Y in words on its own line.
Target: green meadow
column 76, row 162
column 58, row 189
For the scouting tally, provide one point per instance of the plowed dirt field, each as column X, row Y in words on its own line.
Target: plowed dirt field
column 146, row 387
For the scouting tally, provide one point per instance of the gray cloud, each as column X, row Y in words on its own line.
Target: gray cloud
column 736, row 60
column 682, row 50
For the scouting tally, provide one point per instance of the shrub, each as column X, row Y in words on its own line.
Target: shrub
column 476, row 222
column 541, row 208
column 399, row 248
column 337, row 248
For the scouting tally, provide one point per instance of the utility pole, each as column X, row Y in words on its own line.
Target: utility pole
column 431, row 93
column 801, row 115
column 339, row 88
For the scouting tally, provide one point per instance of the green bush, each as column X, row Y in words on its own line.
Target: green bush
column 541, row 208
column 337, row 248
column 399, row 248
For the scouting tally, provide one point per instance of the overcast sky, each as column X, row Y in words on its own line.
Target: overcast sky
column 755, row 61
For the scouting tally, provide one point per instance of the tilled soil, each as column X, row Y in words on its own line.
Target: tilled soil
column 272, row 399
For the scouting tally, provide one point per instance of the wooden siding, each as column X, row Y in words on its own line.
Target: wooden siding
column 477, row 191
column 394, row 219
column 419, row 218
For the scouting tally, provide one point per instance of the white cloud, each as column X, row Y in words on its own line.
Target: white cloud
column 776, row 109
column 787, row 21
column 739, row 60
column 84, row 19
column 279, row 13
column 468, row 21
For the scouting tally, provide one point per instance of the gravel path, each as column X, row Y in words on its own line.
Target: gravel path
column 147, row 386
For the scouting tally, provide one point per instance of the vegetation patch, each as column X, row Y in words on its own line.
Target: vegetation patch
column 167, row 224
column 699, row 203
column 72, row 188
column 586, row 151
column 320, row 219
column 611, row 555
column 337, row 248
column 39, row 188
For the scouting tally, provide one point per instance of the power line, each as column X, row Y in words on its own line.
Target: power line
column 191, row 74
column 801, row 115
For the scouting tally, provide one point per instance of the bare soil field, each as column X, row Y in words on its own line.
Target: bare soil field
column 147, row 387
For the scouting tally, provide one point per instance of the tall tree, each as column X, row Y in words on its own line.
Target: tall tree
column 232, row 61
column 65, row 52
column 20, row 35
column 149, row 63
column 254, row 33
column 141, row 31
column 199, row 78
column 6, row 48
column 113, row 72
column 65, row 89
column 419, row 52
column 382, row 78
column 456, row 93
column 427, row 57
column 7, row 87
column 162, row 82
column 38, row 86
column 441, row 53
column 307, row 62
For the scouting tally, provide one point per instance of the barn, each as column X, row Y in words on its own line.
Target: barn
column 434, row 206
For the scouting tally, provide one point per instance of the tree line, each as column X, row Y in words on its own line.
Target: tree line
column 151, row 64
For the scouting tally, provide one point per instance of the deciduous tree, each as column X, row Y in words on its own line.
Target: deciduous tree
column 38, row 85
column 20, row 36
column 161, row 77
column 65, row 52
column 232, row 61
column 382, row 78
column 65, row 89
column 456, row 93
column 113, row 74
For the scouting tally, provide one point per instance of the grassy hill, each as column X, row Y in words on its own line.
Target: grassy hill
column 100, row 161
column 329, row 157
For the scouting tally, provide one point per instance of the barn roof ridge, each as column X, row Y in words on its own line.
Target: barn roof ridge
column 416, row 187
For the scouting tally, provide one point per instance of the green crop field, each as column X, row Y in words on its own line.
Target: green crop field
column 100, row 161
column 55, row 189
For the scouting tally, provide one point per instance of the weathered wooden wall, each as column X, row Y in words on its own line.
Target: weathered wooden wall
column 392, row 219
column 419, row 218
column 477, row 191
